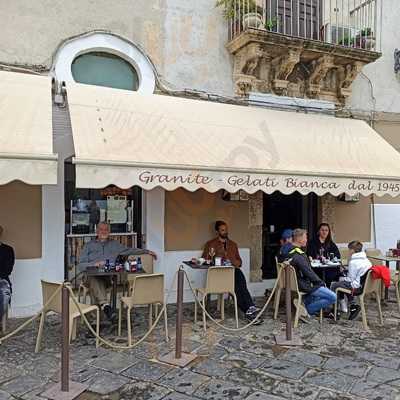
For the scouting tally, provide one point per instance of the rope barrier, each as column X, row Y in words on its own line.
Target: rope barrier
column 107, row 342
column 250, row 323
column 26, row 323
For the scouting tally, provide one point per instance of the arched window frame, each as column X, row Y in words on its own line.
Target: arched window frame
column 107, row 43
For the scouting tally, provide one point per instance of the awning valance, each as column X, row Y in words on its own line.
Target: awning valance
column 127, row 139
column 26, row 137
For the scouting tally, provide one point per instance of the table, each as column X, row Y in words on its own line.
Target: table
column 113, row 275
column 197, row 266
column 324, row 267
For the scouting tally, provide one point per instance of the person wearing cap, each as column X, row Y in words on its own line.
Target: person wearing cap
column 286, row 244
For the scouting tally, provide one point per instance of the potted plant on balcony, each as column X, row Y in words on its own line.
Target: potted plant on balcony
column 365, row 39
column 245, row 10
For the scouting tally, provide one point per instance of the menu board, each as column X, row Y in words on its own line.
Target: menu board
column 116, row 209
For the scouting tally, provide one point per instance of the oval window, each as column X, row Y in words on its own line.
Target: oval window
column 105, row 69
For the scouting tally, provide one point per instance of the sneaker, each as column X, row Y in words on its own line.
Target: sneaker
column 251, row 317
column 303, row 311
column 354, row 311
column 253, row 309
column 109, row 313
column 343, row 305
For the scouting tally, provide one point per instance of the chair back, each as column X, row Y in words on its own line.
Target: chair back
column 372, row 285
column 148, row 289
column 372, row 253
column 220, row 280
column 48, row 290
column 294, row 287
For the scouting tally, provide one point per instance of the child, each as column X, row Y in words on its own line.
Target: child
column 358, row 266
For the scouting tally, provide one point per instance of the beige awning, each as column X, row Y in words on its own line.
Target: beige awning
column 26, row 137
column 126, row 139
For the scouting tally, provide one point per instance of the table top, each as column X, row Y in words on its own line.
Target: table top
column 197, row 266
column 330, row 265
column 384, row 258
column 101, row 272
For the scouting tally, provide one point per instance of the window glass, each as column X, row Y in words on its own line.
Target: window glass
column 105, row 69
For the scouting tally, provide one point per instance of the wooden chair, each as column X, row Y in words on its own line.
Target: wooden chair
column 147, row 289
column 220, row 280
column 372, row 253
column 371, row 286
column 344, row 255
column 294, row 287
column 395, row 278
column 48, row 290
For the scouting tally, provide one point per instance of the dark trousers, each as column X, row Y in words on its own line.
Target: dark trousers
column 5, row 296
column 344, row 285
column 244, row 299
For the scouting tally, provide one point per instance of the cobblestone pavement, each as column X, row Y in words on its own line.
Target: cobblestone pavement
column 337, row 361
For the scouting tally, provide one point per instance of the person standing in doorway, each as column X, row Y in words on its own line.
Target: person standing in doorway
column 7, row 260
column 224, row 247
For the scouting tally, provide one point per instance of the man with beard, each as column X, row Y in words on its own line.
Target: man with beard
column 228, row 250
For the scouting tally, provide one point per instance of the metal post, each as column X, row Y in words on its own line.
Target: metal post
column 65, row 340
column 179, row 312
column 288, row 301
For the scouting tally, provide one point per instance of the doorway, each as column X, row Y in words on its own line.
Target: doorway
column 282, row 212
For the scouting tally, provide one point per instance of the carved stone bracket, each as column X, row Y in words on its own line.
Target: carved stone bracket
column 269, row 62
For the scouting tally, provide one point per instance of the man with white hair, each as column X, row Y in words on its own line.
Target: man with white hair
column 95, row 253
column 7, row 260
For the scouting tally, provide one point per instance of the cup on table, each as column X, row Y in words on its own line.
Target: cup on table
column 218, row 261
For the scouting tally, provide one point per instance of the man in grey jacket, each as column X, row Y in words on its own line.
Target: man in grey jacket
column 95, row 253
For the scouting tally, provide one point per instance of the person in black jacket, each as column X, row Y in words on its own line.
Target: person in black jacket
column 7, row 260
column 323, row 247
column 318, row 296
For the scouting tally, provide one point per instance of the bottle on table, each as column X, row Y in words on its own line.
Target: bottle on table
column 139, row 266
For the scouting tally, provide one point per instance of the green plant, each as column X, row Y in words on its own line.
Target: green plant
column 270, row 24
column 230, row 8
column 347, row 41
column 366, row 32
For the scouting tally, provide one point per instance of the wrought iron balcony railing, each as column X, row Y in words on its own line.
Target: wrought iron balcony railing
column 347, row 23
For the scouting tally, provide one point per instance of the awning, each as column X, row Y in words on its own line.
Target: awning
column 26, row 137
column 127, row 139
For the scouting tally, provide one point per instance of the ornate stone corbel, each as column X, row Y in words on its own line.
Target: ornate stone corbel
column 320, row 68
column 283, row 67
column 347, row 74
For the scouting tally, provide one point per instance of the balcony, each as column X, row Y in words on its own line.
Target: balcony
column 302, row 48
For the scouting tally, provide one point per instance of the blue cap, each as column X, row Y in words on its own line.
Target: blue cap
column 287, row 234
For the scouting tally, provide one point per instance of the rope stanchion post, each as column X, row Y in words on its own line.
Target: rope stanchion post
column 177, row 357
column 67, row 390
column 288, row 339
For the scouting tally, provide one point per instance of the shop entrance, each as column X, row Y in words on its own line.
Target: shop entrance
column 282, row 212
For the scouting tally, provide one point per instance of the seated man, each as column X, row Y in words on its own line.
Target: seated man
column 7, row 260
column 95, row 253
column 317, row 295
column 226, row 248
column 286, row 244
column 358, row 267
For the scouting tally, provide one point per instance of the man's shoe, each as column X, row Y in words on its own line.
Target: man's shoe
column 252, row 316
column 354, row 311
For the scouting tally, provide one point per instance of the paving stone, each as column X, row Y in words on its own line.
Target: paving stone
column 285, row 369
column 378, row 359
column 212, row 368
column 105, row 382
column 260, row 348
column 5, row 396
column 215, row 352
column 347, row 366
column 327, row 395
column 177, row 396
column 81, row 374
column 231, row 343
column 22, row 384
column 245, row 360
column 295, row 390
column 374, row 391
column 330, row 380
column 144, row 391
column 384, row 375
column 262, row 396
column 114, row 362
column 251, row 378
column 218, row 389
column 304, row 357
column 147, row 370
column 183, row 381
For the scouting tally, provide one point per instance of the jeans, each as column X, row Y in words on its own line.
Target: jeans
column 242, row 293
column 319, row 299
column 5, row 296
